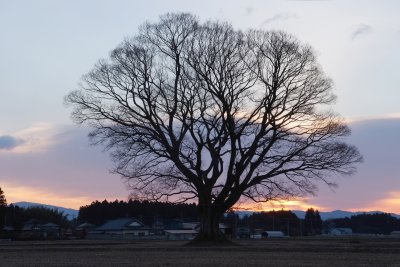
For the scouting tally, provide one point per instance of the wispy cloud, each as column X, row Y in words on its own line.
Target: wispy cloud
column 37, row 138
column 309, row 0
column 249, row 10
column 279, row 17
column 8, row 142
column 362, row 29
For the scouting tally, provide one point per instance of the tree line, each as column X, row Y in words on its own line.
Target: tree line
column 99, row 212
column 377, row 223
column 149, row 212
column 280, row 220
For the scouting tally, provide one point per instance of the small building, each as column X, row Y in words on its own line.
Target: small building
column 185, row 234
column 272, row 234
column 256, row 236
column 341, row 231
column 243, row 232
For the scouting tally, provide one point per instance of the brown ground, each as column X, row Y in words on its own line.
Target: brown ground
column 336, row 252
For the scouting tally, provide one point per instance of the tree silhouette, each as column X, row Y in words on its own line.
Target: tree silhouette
column 312, row 222
column 3, row 208
column 205, row 112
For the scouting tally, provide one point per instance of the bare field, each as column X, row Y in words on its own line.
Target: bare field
column 353, row 251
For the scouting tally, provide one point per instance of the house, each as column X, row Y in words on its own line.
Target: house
column 174, row 224
column 188, row 230
column 341, row 231
column 85, row 227
column 34, row 229
column 395, row 234
column 31, row 225
column 122, row 228
column 30, row 230
column 81, row 230
column 191, row 225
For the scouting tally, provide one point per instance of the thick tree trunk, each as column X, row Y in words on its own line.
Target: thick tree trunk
column 209, row 233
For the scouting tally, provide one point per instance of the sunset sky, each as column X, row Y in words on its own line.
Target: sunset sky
column 47, row 45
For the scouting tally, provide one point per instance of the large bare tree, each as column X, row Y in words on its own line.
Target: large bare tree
column 201, row 111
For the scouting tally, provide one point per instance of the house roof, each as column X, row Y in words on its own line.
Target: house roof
column 190, row 225
column 189, row 231
column 122, row 224
column 50, row 225
column 86, row 225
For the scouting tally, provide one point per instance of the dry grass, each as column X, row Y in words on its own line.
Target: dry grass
column 286, row 252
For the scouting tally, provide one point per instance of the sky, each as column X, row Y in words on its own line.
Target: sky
column 47, row 45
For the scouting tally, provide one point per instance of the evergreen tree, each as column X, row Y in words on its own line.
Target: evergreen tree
column 317, row 223
column 3, row 208
column 309, row 220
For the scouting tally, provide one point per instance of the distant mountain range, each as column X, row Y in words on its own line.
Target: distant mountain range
column 71, row 213
column 325, row 215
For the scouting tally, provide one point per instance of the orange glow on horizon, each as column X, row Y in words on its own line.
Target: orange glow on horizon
column 20, row 193
column 294, row 204
column 390, row 204
column 16, row 193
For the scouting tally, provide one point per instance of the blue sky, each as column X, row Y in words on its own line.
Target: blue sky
column 46, row 46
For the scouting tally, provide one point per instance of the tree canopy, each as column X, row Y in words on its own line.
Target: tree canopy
column 202, row 111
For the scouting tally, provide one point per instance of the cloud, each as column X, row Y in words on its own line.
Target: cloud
column 8, row 142
column 58, row 166
column 249, row 10
column 279, row 17
column 362, row 29
column 37, row 138
column 309, row 0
